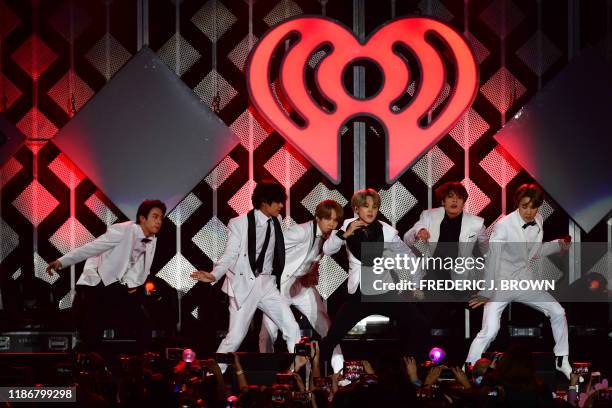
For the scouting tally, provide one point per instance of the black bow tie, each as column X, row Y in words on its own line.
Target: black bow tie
column 529, row 224
column 145, row 240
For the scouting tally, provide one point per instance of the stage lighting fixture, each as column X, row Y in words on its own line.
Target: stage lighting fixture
column 436, row 355
column 189, row 355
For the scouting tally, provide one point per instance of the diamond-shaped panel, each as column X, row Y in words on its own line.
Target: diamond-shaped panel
column 502, row 16
column 282, row 11
column 503, row 89
column 433, row 166
column 220, row 173
column 70, row 18
column 34, row 57
column 546, row 210
column 331, row 276
column 435, row 8
column 539, row 53
column 213, row 19
column 469, row 128
column 477, row 200
column 287, row 223
column 212, row 238
column 72, row 234
column 66, row 171
column 8, row 21
column 211, row 86
column 40, row 266
column 480, row 51
column 184, row 209
column 320, row 193
column 247, row 125
column 70, row 93
column 108, row 65
column 9, row 93
column 16, row 275
column 107, row 137
column 9, row 170
column 285, row 168
column 240, row 53
column 66, row 301
column 491, row 227
column 545, row 269
column 500, row 166
column 177, row 273
column 35, row 203
column 187, row 55
column 241, row 201
column 36, row 125
column 100, row 209
column 396, row 201
column 10, row 240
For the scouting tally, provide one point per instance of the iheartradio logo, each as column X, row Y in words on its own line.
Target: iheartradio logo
column 440, row 54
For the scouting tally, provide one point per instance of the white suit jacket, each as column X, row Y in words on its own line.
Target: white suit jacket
column 298, row 243
column 509, row 253
column 109, row 254
column 334, row 243
column 234, row 263
column 472, row 231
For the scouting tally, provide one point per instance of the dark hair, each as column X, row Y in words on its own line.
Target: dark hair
column 517, row 369
column 535, row 194
column 325, row 207
column 268, row 192
column 147, row 205
column 451, row 187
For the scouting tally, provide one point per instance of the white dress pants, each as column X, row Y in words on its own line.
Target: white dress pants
column 538, row 300
column 309, row 303
column 266, row 297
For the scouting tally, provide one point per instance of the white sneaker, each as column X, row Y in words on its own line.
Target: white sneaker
column 563, row 365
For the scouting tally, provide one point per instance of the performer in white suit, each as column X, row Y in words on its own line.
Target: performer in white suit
column 516, row 240
column 253, row 262
column 110, row 289
column 366, row 228
column 458, row 233
column 303, row 244
column 438, row 224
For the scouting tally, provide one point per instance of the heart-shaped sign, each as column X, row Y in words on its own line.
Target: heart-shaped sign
column 318, row 137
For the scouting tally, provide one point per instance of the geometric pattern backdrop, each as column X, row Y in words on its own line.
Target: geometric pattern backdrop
column 57, row 55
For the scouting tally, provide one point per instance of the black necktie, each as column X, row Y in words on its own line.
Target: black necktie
column 262, row 254
column 529, row 224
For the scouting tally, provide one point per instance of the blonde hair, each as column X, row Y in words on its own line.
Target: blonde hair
column 359, row 198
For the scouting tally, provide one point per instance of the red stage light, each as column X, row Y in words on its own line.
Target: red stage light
column 149, row 287
column 318, row 138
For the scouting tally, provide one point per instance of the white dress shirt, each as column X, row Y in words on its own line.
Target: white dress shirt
column 135, row 275
column 261, row 225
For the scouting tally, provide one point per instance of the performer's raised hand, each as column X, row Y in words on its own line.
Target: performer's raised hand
column 55, row 265
column 423, row 235
column 203, row 276
column 354, row 226
column 477, row 301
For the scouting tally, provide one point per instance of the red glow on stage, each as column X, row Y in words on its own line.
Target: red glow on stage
column 318, row 139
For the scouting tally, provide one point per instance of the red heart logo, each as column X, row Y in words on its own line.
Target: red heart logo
column 318, row 138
